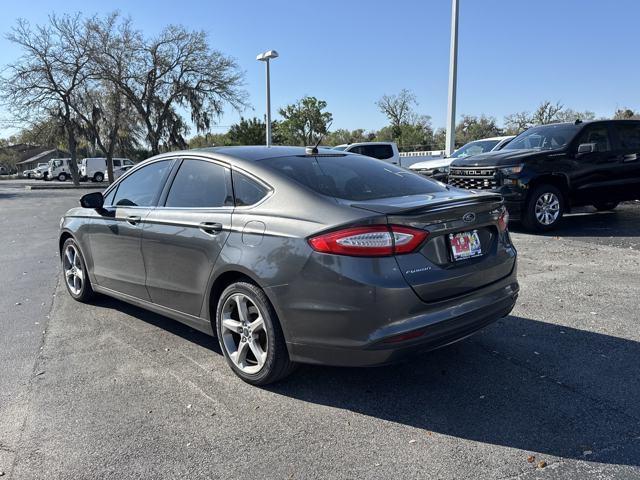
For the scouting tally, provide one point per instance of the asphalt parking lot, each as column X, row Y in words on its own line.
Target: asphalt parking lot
column 112, row 391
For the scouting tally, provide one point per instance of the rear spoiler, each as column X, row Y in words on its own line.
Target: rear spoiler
column 433, row 206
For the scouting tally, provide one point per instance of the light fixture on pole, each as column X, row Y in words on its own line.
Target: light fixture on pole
column 450, row 144
column 266, row 57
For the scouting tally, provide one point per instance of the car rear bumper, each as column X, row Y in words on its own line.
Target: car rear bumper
column 431, row 325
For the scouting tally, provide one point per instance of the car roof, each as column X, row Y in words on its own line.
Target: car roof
column 363, row 143
column 259, row 152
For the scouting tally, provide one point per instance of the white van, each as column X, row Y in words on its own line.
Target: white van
column 94, row 168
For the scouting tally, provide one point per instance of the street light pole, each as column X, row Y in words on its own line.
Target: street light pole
column 266, row 57
column 453, row 79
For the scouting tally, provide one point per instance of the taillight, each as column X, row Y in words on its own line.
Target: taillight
column 503, row 220
column 369, row 241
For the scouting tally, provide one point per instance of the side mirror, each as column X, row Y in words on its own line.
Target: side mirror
column 92, row 200
column 587, row 148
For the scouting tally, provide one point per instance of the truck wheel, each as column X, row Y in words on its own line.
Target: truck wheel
column 98, row 177
column 62, row 177
column 544, row 209
column 604, row 206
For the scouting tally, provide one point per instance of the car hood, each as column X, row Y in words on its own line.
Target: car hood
column 499, row 158
column 418, row 202
column 429, row 164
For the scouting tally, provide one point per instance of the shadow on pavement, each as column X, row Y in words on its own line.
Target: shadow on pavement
column 520, row 383
column 576, row 392
column 624, row 221
column 160, row 321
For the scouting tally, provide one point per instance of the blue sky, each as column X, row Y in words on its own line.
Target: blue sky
column 512, row 53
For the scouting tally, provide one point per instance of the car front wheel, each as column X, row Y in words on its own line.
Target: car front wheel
column 250, row 336
column 545, row 208
column 62, row 177
column 75, row 272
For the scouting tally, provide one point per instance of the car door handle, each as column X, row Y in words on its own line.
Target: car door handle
column 211, row 228
column 133, row 219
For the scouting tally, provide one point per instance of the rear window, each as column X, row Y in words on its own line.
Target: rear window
column 353, row 177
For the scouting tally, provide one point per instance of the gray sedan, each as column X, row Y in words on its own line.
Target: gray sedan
column 294, row 255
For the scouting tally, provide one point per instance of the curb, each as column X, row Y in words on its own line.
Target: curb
column 65, row 187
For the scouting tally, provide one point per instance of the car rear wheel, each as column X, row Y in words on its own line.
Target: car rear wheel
column 250, row 335
column 545, row 208
column 98, row 177
column 62, row 177
column 75, row 272
column 604, row 206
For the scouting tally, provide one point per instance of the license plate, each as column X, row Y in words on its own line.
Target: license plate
column 465, row 245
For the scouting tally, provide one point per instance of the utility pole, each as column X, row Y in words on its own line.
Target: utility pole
column 453, row 79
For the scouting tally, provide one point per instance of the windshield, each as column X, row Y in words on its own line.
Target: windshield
column 544, row 137
column 359, row 178
column 474, row 148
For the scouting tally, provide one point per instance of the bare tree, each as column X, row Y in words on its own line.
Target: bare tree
column 48, row 75
column 547, row 112
column 107, row 116
column 178, row 69
column 398, row 109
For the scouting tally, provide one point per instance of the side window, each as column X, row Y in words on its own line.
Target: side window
column 141, row 188
column 629, row 135
column 246, row 191
column 598, row 135
column 200, row 184
column 116, row 163
column 128, row 162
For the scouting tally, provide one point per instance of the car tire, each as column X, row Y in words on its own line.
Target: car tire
column 62, row 177
column 544, row 208
column 242, row 334
column 74, row 271
column 606, row 206
column 98, row 177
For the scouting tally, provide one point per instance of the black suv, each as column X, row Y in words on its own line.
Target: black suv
column 548, row 169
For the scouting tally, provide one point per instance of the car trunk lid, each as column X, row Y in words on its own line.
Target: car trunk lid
column 432, row 271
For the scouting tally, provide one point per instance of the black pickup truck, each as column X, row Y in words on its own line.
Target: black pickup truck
column 548, row 169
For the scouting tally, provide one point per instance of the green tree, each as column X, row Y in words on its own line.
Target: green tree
column 304, row 122
column 343, row 135
column 399, row 110
column 210, row 140
column 472, row 127
column 626, row 114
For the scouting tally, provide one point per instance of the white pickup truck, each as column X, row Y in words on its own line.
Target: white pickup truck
column 388, row 152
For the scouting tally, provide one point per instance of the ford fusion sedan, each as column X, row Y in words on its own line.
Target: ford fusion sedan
column 291, row 255
column 547, row 170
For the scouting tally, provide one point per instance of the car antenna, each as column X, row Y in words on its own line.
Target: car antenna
column 314, row 150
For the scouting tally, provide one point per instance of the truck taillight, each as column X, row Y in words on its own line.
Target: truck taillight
column 369, row 241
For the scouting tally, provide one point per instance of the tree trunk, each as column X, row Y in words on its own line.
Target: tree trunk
column 73, row 165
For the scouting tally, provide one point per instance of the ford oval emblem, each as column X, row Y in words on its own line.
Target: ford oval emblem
column 469, row 217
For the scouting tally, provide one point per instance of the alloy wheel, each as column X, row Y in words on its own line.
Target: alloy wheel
column 243, row 333
column 547, row 208
column 73, row 273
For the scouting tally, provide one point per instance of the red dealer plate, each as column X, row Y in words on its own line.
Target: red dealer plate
column 465, row 245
